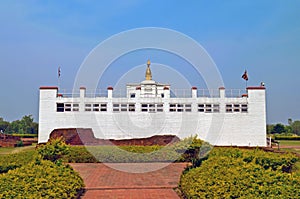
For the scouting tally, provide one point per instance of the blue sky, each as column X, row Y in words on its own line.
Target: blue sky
column 261, row 35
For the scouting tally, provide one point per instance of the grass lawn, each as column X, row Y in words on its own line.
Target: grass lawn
column 6, row 150
column 289, row 142
column 291, row 150
column 10, row 150
column 293, row 146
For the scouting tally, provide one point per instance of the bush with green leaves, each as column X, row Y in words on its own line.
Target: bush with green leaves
column 126, row 154
column 281, row 137
column 13, row 161
column 186, row 150
column 79, row 154
column 53, row 150
column 28, row 175
column 41, row 179
column 236, row 173
column 19, row 143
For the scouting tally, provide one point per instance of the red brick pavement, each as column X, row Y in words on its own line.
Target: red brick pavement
column 102, row 181
column 131, row 194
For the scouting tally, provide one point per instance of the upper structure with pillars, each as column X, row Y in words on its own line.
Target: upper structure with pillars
column 151, row 108
column 148, row 87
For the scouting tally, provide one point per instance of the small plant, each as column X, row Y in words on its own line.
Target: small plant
column 19, row 143
column 54, row 150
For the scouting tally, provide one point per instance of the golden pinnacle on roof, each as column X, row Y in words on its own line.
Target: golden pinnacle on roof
column 148, row 71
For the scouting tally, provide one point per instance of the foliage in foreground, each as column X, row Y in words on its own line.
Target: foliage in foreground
column 39, row 174
column 40, row 179
column 13, row 161
column 235, row 173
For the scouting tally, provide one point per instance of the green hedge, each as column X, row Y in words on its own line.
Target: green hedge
column 27, row 175
column 41, row 179
column 235, row 173
column 124, row 154
column 185, row 150
column 79, row 154
column 13, row 161
column 25, row 135
column 287, row 137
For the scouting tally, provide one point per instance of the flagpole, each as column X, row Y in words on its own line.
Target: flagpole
column 58, row 78
column 245, row 77
column 58, row 83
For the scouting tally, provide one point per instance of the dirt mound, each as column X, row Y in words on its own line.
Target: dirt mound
column 85, row 136
column 8, row 140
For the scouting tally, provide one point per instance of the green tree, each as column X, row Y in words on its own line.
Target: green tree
column 24, row 126
column 13, row 127
column 290, row 121
column 288, row 130
column 270, row 128
column 279, row 128
column 296, row 127
column 3, row 124
column 28, row 125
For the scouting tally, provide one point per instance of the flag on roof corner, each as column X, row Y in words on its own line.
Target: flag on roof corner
column 58, row 72
column 245, row 75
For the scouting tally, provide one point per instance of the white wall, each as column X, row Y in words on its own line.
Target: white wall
column 241, row 129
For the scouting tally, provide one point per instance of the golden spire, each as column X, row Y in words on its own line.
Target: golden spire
column 148, row 71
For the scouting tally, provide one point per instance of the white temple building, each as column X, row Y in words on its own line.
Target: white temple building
column 222, row 117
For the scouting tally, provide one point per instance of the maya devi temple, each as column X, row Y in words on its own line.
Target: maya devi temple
column 222, row 117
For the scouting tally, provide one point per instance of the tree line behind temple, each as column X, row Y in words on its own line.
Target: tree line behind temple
column 27, row 126
column 24, row 126
column 293, row 128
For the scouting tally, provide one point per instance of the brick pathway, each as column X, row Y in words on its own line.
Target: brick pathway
column 102, row 181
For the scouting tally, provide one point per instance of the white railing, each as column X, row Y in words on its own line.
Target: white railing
column 68, row 93
column 174, row 93
column 180, row 93
column 233, row 93
column 88, row 93
column 119, row 93
column 97, row 93
column 213, row 93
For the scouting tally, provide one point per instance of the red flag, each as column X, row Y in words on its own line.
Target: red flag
column 245, row 75
column 58, row 72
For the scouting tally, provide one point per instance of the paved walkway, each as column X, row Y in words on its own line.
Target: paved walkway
column 102, row 181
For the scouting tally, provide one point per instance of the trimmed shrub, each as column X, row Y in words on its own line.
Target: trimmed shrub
column 13, row 161
column 277, row 137
column 26, row 175
column 125, row 154
column 189, row 149
column 25, row 135
column 235, row 173
column 79, row 154
column 41, row 179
